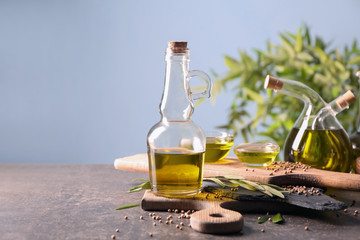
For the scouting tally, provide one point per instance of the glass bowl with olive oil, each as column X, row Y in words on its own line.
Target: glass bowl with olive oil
column 218, row 145
column 256, row 154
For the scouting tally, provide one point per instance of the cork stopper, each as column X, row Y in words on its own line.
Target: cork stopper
column 346, row 99
column 178, row 46
column 273, row 83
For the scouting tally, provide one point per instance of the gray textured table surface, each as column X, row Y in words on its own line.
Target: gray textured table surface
column 78, row 202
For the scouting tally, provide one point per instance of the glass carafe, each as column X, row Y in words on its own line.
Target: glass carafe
column 317, row 138
column 176, row 145
column 355, row 138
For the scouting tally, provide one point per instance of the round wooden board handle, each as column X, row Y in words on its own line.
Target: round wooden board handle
column 217, row 220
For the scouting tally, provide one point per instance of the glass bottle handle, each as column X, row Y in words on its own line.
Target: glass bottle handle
column 206, row 93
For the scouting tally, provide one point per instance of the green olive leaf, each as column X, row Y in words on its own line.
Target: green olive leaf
column 278, row 218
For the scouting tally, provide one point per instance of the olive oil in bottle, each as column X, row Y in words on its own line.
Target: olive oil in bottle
column 176, row 145
column 322, row 149
column 175, row 173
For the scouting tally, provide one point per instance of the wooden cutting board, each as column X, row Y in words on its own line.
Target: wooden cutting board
column 228, row 166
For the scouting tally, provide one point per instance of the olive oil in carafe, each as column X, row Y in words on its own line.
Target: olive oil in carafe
column 322, row 149
column 175, row 173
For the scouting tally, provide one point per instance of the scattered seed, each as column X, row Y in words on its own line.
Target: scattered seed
column 141, row 217
column 271, row 174
column 112, row 236
column 181, row 228
column 259, row 218
column 345, row 210
column 150, row 214
column 167, row 222
column 182, row 211
column 169, row 210
column 306, row 228
column 263, row 230
column 189, row 225
column 356, row 211
column 126, row 217
column 154, row 217
column 117, row 230
column 171, row 221
column 269, row 219
column 253, row 170
column 177, row 226
column 176, row 211
column 154, row 223
column 150, row 234
column 181, row 224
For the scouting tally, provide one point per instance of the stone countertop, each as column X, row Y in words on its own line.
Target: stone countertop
column 49, row 201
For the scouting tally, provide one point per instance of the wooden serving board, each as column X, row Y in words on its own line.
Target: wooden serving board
column 209, row 218
column 228, row 166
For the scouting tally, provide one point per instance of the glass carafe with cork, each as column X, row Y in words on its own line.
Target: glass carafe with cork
column 317, row 137
column 176, row 145
column 355, row 138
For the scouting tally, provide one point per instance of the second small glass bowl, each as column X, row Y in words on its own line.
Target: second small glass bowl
column 218, row 145
column 256, row 154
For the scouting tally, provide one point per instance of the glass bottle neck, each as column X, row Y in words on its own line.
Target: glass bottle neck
column 176, row 103
column 313, row 102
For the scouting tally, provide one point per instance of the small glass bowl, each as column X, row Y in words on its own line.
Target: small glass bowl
column 218, row 145
column 256, row 154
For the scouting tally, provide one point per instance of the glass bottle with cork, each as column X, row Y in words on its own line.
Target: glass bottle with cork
column 355, row 138
column 317, row 137
column 176, row 145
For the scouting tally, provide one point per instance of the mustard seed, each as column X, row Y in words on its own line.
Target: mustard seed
column 112, row 236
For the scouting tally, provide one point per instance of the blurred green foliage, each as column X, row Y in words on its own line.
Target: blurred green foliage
column 300, row 56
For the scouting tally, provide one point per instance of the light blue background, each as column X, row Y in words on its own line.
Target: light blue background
column 81, row 81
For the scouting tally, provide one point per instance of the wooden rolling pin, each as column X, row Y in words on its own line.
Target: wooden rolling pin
column 231, row 166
